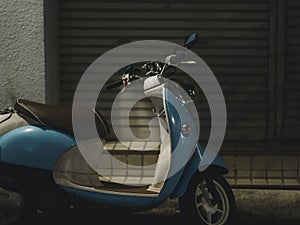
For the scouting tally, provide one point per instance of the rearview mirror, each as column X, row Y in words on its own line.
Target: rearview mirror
column 191, row 40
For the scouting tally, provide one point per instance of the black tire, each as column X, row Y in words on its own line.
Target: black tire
column 24, row 216
column 8, row 219
column 24, row 213
column 208, row 207
column 10, row 191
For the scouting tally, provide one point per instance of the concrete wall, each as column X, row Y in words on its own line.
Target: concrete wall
column 22, row 69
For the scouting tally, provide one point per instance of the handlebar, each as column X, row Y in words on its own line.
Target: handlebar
column 152, row 68
column 114, row 84
column 126, row 78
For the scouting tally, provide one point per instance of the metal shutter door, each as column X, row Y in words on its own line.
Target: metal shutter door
column 237, row 49
column 292, row 71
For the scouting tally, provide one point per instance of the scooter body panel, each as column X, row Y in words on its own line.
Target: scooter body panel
column 113, row 199
column 33, row 146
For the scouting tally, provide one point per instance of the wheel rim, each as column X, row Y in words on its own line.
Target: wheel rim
column 6, row 218
column 212, row 214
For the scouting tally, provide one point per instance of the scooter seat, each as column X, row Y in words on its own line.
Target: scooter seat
column 53, row 116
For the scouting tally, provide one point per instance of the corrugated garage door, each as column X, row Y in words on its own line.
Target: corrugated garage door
column 292, row 72
column 235, row 44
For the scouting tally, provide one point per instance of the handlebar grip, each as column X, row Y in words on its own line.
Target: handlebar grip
column 135, row 77
column 114, row 84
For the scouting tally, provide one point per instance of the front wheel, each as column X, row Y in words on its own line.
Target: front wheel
column 208, row 201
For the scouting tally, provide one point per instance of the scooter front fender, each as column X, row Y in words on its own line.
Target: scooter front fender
column 33, row 146
column 217, row 167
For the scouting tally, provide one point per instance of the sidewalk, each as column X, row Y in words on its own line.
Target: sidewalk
column 259, row 207
column 268, row 207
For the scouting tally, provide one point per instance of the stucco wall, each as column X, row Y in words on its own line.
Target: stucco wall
column 22, row 71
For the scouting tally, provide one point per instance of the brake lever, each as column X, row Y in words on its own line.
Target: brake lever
column 188, row 62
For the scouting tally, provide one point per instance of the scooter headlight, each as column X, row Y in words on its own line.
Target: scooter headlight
column 186, row 129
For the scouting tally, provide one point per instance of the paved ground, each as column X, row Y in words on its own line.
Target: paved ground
column 255, row 207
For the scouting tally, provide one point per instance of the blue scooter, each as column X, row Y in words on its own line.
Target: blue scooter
column 42, row 168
